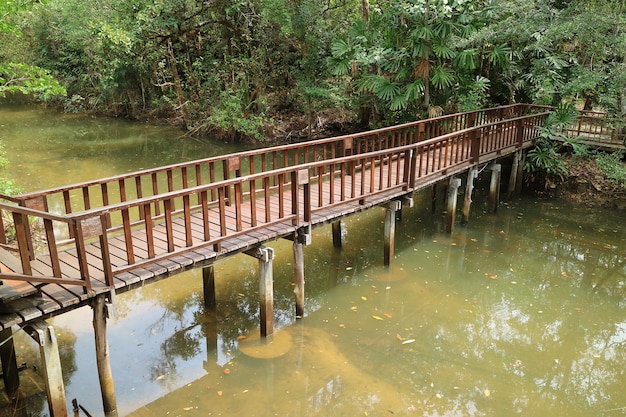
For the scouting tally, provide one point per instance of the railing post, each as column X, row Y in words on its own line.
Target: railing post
column 475, row 136
column 519, row 125
column 81, row 253
column 20, row 222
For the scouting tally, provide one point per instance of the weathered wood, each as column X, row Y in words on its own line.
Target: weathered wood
column 103, row 359
column 453, row 190
column 265, row 256
column 494, row 187
column 472, row 174
column 51, row 363
column 298, row 270
column 390, row 231
column 10, row 374
column 513, row 178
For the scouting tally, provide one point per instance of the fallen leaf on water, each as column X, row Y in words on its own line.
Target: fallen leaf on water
column 406, row 342
column 487, row 393
column 364, row 298
column 187, row 408
column 349, row 268
column 399, row 337
column 219, row 393
column 388, row 315
column 353, row 308
column 226, row 371
column 377, row 318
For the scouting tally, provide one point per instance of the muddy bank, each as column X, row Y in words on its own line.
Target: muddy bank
column 586, row 185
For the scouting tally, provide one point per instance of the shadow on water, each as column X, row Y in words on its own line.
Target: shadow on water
column 520, row 312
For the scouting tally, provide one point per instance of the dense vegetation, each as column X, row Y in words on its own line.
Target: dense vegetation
column 240, row 68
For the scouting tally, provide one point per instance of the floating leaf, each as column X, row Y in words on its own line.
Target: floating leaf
column 353, row 308
column 349, row 268
column 364, row 298
column 388, row 315
column 406, row 342
column 226, row 371
column 377, row 318
column 487, row 393
column 187, row 408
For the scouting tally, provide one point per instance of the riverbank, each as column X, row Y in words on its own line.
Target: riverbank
column 586, row 184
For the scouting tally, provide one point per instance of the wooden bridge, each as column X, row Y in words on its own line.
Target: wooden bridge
column 81, row 244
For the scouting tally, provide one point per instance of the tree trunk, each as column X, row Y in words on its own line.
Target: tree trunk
column 182, row 105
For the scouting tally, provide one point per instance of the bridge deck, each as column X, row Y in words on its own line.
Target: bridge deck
column 97, row 245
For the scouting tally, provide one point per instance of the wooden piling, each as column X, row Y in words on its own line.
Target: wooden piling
column 336, row 226
column 513, row 178
column 453, row 191
column 494, row 187
column 208, row 286
column 265, row 256
column 298, row 270
column 520, row 173
column 9, row 363
column 103, row 358
column 390, row 230
column 45, row 337
column 472, row 174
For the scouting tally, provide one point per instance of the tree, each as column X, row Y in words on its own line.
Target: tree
column 23, row 77
column 410, row 56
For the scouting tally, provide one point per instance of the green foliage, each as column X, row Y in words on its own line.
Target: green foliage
column 28, row 79
column 231, row 116
column 547, row 158
column 7, row 186
column 612, row 166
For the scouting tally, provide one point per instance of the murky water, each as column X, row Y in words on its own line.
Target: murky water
column 522, row 312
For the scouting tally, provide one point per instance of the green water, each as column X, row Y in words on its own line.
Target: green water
column 521, row 312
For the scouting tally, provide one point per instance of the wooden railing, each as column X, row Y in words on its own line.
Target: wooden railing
column 594, row 126
column 208, row 201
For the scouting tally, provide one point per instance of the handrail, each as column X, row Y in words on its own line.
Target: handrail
column 289, row 188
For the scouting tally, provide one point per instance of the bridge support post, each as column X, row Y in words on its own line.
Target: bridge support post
column 453, row 191
column 336, row 226
column 390, row 230
column 301, row 239
column 9, row 363
column 494, row 187
column 103, row 358
column 472, row 174
column 45, row 337
column 520, row 172
column 515, row 172
column 208, row 286
column 265, row 256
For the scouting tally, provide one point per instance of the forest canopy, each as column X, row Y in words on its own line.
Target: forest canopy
column 238, row 68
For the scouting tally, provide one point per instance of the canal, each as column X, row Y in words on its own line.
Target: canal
column 522, row 312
